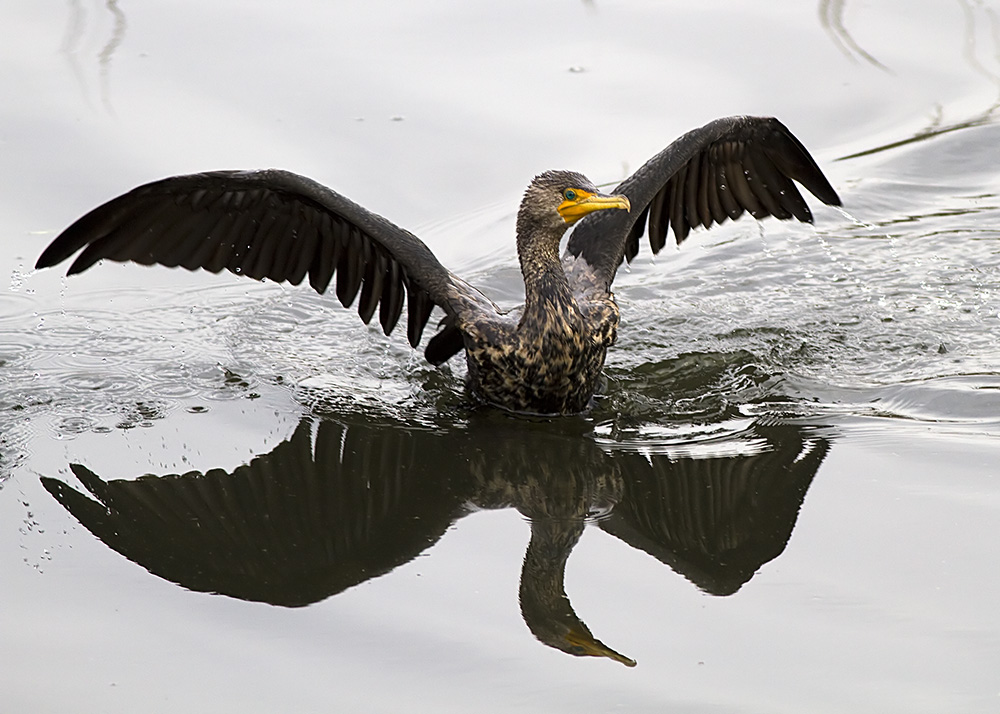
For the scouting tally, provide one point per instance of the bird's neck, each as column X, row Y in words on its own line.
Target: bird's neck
column 544, row 605
column 546, row 289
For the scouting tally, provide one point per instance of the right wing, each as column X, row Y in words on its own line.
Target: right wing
column 720, row 171
column 268, row 224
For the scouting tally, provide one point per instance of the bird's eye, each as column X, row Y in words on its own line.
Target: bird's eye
column 569, row 194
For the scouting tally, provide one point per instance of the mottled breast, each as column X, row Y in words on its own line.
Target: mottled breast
column 547, row 360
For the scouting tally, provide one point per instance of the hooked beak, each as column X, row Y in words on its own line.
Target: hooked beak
column 584, row 203
column 590, row 647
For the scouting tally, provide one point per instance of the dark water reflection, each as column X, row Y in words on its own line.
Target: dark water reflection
column 349, row 497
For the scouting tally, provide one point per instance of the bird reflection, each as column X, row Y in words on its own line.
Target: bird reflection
column 559, row 481
column 350, row 497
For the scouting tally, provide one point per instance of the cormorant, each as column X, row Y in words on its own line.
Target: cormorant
column 545, row 357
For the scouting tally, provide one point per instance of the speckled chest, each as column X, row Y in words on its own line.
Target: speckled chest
column 549, row 363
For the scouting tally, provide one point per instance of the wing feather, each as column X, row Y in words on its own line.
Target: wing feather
column 714, row 187
column 325, row 261
column 722, row 170
column 702, row 187
column 676, row 196
column 371, row 287
column 691, row 213
column 266, row 224
column 349, row 269
column 763, row 191
column 306, row 241
column 391, row 306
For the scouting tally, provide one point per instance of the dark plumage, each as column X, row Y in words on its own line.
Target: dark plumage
column 545, row 357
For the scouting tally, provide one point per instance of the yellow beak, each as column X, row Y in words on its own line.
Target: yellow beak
column 584, row 203
column 591, row 647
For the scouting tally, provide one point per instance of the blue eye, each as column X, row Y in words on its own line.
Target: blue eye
column 569, row 194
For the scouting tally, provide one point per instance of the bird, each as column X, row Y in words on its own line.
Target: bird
column 544, row 357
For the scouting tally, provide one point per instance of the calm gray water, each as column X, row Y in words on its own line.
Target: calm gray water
column 785, row 501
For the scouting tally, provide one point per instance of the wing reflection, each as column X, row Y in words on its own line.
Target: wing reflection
column 290, row 528
column 349, row 497
column 717, row 521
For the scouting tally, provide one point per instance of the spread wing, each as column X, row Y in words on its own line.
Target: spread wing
column 722, row 170
column 267, row 224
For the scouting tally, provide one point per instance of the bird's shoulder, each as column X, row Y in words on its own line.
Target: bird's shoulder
column 585, row 284
column 477, row 316
column 593, row 299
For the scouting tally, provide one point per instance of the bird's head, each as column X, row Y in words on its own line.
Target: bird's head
column 556, row 200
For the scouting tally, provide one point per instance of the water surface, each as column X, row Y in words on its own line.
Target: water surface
column 222, row 495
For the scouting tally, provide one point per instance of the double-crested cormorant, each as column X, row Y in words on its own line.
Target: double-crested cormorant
column 545, row 357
